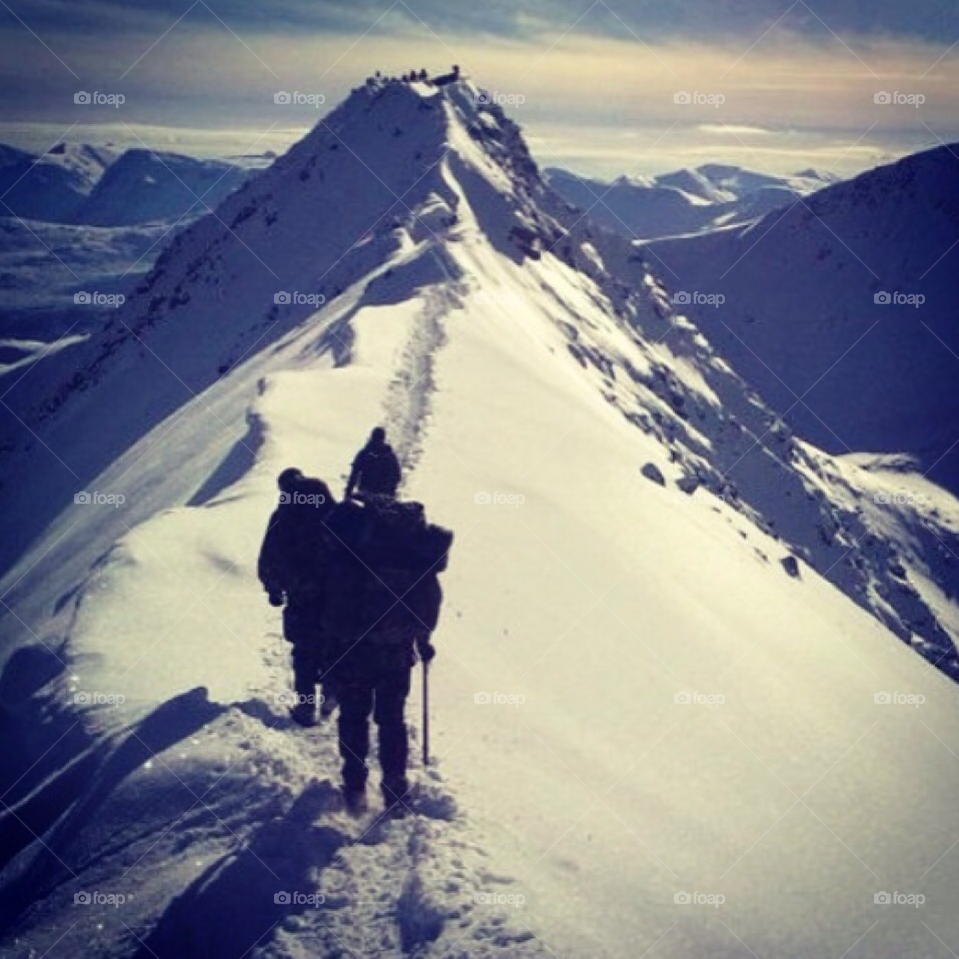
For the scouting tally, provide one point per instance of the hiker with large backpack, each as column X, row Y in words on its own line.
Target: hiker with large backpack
column 375, row 470
column 293, row 566
column 384, row 603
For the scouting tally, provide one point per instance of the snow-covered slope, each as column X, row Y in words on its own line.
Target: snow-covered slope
column 81, row 184
column 685, row 201
column 144, row 185
column 52, row 186
column 696, row 723
column 86, row 160
column 805, row 287
column 49, row 251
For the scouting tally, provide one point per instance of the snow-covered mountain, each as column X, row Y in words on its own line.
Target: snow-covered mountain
column 715, row 737
column 97, row 186
column 144, row 185
column 50, row 187
column 82, row 219
column 865, row 270
column 686, row 201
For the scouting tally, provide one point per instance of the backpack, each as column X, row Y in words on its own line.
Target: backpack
column 401, row 538
column 382, row 584
column 380, row 471
column 298, row 550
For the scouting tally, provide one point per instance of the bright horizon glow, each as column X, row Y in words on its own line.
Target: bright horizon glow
column 602, row 105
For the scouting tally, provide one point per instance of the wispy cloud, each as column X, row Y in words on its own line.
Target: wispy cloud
column 797, row 86
column 733, row 129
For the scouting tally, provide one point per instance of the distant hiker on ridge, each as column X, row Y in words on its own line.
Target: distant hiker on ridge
column 293, row 567
column 446, row 78
column 376, row 470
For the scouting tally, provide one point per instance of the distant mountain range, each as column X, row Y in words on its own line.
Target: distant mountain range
column 97, row 186
column 685, row 201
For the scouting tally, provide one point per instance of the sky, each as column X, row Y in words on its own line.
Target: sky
column 599, row 86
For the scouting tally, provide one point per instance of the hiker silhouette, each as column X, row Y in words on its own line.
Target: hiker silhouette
column 358, row 582
column 383, row 606
column 292, row 568
column 375, row 470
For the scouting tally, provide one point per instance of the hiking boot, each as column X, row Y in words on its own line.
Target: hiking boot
column 396, row 797
column 304, row 714
column 355, row 800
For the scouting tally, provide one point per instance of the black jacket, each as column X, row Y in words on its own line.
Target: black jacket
column 376, row 470
column 295, row 555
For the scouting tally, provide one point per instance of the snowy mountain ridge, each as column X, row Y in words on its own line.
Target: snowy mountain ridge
column 674, row 538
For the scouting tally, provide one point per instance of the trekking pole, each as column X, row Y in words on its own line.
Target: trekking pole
column 426, row 716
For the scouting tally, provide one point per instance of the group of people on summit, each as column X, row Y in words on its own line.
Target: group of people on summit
column 358, row 583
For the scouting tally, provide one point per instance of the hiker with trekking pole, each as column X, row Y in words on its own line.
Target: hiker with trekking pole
column 384, row 604
column 380, row 605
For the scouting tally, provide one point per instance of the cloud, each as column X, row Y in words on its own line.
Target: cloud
column 779, row 94
column 652, row 20
column 731, row 129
